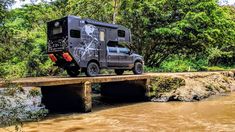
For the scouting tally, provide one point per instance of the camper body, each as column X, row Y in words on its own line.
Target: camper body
column 87, row 45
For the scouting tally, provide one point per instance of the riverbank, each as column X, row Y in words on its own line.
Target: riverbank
column 193, row 86
column 187, row 87
column 145, row 116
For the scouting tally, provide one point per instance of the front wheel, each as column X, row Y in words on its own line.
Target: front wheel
column 92, row 69
column 138, row 68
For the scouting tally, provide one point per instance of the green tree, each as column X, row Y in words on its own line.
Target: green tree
column 162, row 28
column 23, row 49
column 101, row 10
column 4, row 4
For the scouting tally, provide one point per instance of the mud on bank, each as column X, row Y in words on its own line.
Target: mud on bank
column 191, row 86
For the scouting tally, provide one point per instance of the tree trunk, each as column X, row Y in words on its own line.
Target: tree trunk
column 115, row 10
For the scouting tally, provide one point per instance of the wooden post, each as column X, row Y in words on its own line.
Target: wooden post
column 147, row 85
column 86, row 97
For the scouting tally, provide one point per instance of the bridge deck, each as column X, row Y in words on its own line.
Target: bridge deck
column 55, row 81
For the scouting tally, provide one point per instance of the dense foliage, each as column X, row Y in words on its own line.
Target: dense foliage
column 197, row 29
column 172, row 35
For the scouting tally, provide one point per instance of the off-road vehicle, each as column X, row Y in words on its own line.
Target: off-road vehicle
column 85, row 45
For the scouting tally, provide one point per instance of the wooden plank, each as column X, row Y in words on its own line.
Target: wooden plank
column 54, row 81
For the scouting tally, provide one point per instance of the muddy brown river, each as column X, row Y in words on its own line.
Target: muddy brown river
column 214, row 114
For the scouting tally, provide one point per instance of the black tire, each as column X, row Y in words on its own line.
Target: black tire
column 73, row 71
column 119, row 71
column 92, row 69
column 138, row 68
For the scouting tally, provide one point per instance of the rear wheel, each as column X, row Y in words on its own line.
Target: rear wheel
column 119, row 71
column 73, row 71
column 92, row 69
column 138, row 68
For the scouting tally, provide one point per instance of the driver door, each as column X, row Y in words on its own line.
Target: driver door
column 125, row 59
column 112, row 57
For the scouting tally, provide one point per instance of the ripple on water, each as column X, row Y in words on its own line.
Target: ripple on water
column 73, row 129
column 65, row 119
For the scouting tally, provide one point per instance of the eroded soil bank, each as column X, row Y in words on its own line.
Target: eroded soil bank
column 191, row 86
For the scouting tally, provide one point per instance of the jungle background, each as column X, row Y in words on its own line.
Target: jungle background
column 172, row 35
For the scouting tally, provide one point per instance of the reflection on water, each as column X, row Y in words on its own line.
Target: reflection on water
column 214, row 114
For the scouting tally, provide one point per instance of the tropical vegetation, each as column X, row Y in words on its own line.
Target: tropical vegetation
column 172, row 35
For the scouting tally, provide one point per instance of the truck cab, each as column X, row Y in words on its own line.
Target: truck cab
column 85, row 45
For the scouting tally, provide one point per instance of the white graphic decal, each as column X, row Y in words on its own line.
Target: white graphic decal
column 89, row 37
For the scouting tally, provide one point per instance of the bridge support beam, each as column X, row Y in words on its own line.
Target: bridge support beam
column 86, row 97
column 135, row 89
column 75, row 97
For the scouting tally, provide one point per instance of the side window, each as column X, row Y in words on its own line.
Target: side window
column 102, row 35
column 112, row 46
column 123, row 50
column 121, row 33
column 75, row 33
column 112, row 49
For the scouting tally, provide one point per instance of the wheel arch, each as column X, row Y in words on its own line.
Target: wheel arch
column 138, row 60
column 95, row 61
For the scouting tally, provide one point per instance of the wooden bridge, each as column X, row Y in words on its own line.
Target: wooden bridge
column 75, row 93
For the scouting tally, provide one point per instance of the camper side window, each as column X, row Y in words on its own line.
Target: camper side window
column 121, row 33
column 75, row 33
column 101, row 36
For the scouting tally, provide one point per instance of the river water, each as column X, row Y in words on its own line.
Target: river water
column 214, row 114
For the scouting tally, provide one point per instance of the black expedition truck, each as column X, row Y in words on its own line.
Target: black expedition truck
column 87, row 45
